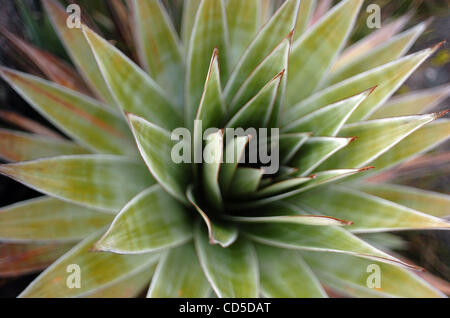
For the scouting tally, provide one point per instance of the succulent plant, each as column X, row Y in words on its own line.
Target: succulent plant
column 117, row 205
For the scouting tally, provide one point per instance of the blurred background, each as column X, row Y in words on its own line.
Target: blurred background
column 429, row 249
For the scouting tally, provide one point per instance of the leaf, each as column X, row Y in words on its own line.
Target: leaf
column 385, row 53
column 432, row 203
column 156, row 146
column 243, row 23
column 54, row 68
column 219, row 233
column 150, row 222
column 27, row 124
column 274, row 31
column 98, row 270
column 48, row 220
column 269, row 70
column 131, row 87
column 190, row 8
column 318, row 179
column 315, row 238
column 159, row 47
column 305, row 14
column 388, row 78
column 257, row 112
column 128, row 286
column 245, row 181
column 368, row 213
column 290, row 144
column 19, row 146
column 328, row 121
column 21, row 259
column 370, row 42
column 211, row 110
column 413, row 103
column 79, row 50
column 209, row 32
column 374, row 139
column 95, row 181
column 280, row 187
column 420, row 141
column 213, row 154
column 82, row 118
column 350, row 275
column 285, row 274
column 232, row 271
column 314, row 52
column 174, row 281
column 315, row 151
column 234, row 152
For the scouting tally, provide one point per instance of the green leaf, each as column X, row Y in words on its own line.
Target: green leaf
column 368, row 213
column 213, row 154
column 159, row 47
column 285, row 274
column 413, row 103
column 131, row 87
column 257, row 112
column 245, row 181
column 233, row 153
column 82, row 118
column 388, row 78
column 243, row 23
column 232, row 271
column 174, row 281
column 350, row 275
column 156, row 147
column 420, row 141
column 389, row 51
column 21, row 259
column 19, row 146
column 95, row 181
column 209, row 32
column 374, row 139
column 190, row 8
column 79, row 50
column 274, row 31
column 270, row 69
column 128, row 286
column 315, row 238
column 280, row 187
column 305, row 14
column 290, row 144
column 328, row 121
column 97, row 270
column 150, row 222
column 370, row 42
column 211, row 110
column 314, row 52
column 48, row 220
column 315, row 151
column 432, row 203
column 219, row 233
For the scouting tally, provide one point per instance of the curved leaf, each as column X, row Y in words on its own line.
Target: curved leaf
column 231, row 271
column 92, row 180
column 179, row 275
column 234, row 151
column 213, row 154
column 151, row 221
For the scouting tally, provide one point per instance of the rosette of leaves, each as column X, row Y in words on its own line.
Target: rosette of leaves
column 118, row 206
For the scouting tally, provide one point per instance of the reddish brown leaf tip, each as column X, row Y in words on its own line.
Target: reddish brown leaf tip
column 441, row 114
column 438, row 46
column 372, row 89
column 352, row 139
column 366, row 168
column 313, row 176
